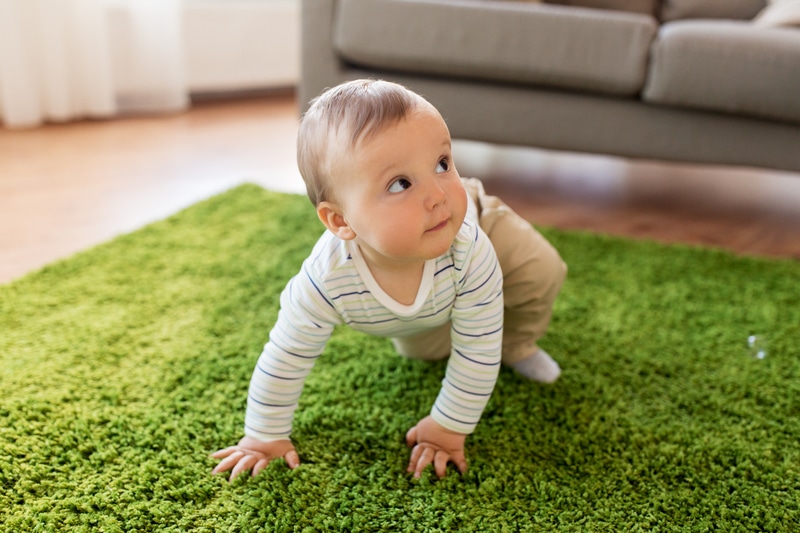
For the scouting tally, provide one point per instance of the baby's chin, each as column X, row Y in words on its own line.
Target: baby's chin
column 441, row 249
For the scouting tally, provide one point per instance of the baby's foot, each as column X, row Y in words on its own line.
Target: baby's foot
column 538, row 367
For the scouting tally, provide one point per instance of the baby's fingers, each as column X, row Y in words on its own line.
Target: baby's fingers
column 440, row 463
column 458, row 459
column 415, row 454
column 411, row 437
column 228, row 462
column 259, row 466
column 292, row 459
column 221, row 454
column 425, row 458
column 244, row 464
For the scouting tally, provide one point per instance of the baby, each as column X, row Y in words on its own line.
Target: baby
column 412, row 252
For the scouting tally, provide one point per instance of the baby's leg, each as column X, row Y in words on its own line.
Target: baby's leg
column 533, row 273
column 430, row 345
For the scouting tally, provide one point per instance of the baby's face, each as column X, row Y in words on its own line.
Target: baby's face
column 400, row 191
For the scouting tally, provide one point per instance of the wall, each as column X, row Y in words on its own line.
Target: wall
column 240, row 45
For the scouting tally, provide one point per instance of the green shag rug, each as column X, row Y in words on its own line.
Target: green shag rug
column 124, row 366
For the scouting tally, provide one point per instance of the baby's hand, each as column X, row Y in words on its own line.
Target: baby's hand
column 254, row 454
column 433, row 444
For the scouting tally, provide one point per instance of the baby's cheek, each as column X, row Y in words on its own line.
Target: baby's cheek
column 460, row 201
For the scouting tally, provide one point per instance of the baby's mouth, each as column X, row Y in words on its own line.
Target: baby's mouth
column 440, row 225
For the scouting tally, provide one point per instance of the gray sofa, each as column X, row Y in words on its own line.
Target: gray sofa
column 676, row 80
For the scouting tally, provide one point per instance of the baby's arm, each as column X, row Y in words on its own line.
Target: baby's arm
column 255, row 455
column 476, row 338
column 296, row 341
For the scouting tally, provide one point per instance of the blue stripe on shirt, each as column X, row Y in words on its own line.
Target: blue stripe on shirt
column 318, row 290
column 476, row 361
column 451, row 418
column 487, row 334
column 466, row 391
column 277, row 377
column 355, row 293
column 250, row 396
column 284, row 350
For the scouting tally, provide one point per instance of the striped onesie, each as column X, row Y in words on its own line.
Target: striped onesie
column 335, row 286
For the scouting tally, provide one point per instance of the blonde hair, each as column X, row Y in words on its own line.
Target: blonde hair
column 351, row 113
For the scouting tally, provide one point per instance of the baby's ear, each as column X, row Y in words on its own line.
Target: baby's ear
column 330, row 215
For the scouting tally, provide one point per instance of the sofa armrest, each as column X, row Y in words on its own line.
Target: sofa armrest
column 319, row 67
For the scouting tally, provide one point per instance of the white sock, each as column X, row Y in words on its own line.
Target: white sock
column 538, row 367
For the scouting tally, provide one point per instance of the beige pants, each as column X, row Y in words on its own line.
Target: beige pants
column 532, row 276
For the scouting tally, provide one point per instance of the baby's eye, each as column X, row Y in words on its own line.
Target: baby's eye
column 399, row 185
column 443, row 166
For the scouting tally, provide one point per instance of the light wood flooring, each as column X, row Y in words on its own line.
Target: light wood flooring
column 64, row 188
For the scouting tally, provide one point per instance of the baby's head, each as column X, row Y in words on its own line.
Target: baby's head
column 341, row 118
column 377, row 163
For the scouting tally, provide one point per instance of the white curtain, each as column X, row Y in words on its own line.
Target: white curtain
column 70, row 59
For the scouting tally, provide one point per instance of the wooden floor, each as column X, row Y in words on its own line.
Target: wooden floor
column 64, row 188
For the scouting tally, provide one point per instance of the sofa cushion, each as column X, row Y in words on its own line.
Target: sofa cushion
column 646, row 7
column 712, row 9
column 728, row 66
column 574, row 48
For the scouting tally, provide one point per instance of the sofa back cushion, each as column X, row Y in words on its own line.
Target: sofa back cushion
column 728, row 66
column 510, row 42
column 646, row 7
column 712, row 9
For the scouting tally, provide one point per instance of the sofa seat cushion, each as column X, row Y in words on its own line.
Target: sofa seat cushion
column 727, row 66
column 518, row 42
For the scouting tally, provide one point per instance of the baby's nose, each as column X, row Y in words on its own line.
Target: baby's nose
column 436, row 194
